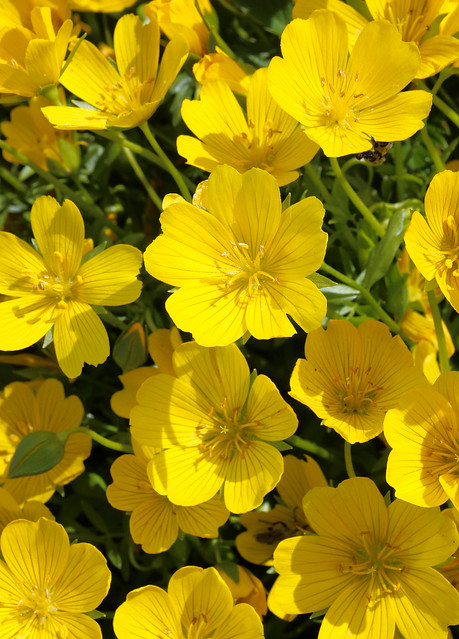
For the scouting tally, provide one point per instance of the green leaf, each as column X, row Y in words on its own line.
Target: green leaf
column 129, row 351
column 96, row 614
column 281, row 446
column 382, row 255
column 286, row 202
column 37, row 453
column 320, row 280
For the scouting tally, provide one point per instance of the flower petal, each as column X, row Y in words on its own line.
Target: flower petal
column 24, row 321
column 20, row 265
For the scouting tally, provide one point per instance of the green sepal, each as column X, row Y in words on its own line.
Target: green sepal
column 37, row 453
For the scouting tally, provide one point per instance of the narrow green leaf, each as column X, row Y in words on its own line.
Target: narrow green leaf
column 382, row 255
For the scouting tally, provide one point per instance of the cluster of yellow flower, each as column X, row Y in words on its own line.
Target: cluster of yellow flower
column 206, row 432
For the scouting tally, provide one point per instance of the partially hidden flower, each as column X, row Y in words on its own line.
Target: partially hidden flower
column 423, row 431
column 47, row 584
column 100, row 6
column 353, row 375
column 184, row 18
column 433, row 242
column 450, row 569
column 56, row 288
column 24, row 411
column 344, row 100
column 155, row 521
column 10, row 510
column 414, row 21
column 195, row 598
column 32, row 58
column 122, row 97
column 265, row 529
column 369, row 565
column 161, row 345
column 219, row 66
column 241, row 265
column 267, row 137
column 247, row 589
column 29, row 132
column 214, row 428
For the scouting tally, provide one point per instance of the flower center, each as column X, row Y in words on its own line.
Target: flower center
column 198, row 628
column 342, row 101
column 55, row 285
column 245, row 271
column 357, row 393
column 125, row 95
column 35, row 608
column 450, row 245
column 257, row 152
column 412, row 19
column 378, row 562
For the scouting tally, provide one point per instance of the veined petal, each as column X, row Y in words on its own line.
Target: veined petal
column 204, row 519
column 223, row 187
column 90, row 75
column 187, row 476
column 300, row 475
column 80, row 337
column 302, row 300
column 55, row 411
column 24, row 321
column 436, row 54
column 450, row 484
column 266, row 316
column 146, row 613
column 72, row 626
column 131, row 486
column 20, row 265
column 244, row 622
column 421, row 243
column 251, row 475
column 24, row 548
column 274, row 418
column 137, row 50
column 201, row 154
column 353, row 19
column 172, row 60
column 59, row 231
column 84, row 582
column 44, row 57
column 109, row 278
column 63, row 117
column 154, row 524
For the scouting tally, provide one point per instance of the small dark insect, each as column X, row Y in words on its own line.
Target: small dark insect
column 275, row 533
column 377, row 155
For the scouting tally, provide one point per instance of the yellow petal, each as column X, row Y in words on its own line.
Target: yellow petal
column 436, row 54
column 147, row 612
column 154, row 524
column 204, row 519
column 19, row 266
column 137, row 51
column 173, row 58
column 78, row 119
column 24, row 321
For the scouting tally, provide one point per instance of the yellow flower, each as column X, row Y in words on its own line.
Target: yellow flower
column 214, row 428
column 161, row 345
column 369, row 566
column 266, row 137
column 184, row 18
column 101, row 6
column 433, row 243
column 450, row 569
column 23, row 411
column 423, row 431
column 352, row 376
column 241, row 265
column 219, row 66
column 198, row 603
column 46, row 584
column 55, row 289
column 10, row 510
column 31, row 59
column 345, row 100
column 420, row 328
column 413, row 20
column 155, row 521
column 425, row 358
column 30, row 133
column 248, row 589
column 128, row 95
column 265, row 529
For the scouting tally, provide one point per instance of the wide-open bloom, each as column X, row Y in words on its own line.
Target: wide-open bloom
column 241, row 265
column 197, row 603
column 155, row 521
column 184, row 18
column 161, row 345
column 352, row 376
column 265, row 529
column 433, row 243
column 369, row 566
column 128, row 95
column 412, row 19
column 345, row 100
column 46, row 584
column 423, row 431
column 29, row 132
column 55, row 289
column 32, row 58
column 213, row 427
column 267, row 137
column 23, row 411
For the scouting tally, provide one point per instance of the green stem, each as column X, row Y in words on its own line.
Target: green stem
column 89, row 207
column 168, row 164
column 439, row 165
column 311, row 171
column 394, row 327
column 12, row 180
column 103, row 441
column 118, row 137
column 310, row 447
column 450, row 113
column 399, row 170
column 154, row 197
column 348, row 460
column 352, row 195
column 442, row 349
